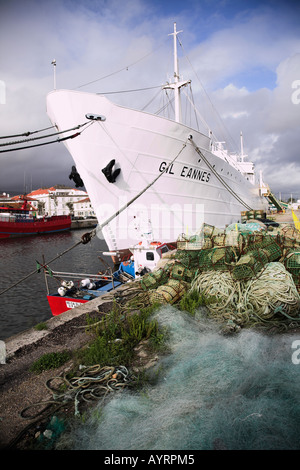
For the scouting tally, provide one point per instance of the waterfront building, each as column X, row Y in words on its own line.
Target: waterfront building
column 61, row 200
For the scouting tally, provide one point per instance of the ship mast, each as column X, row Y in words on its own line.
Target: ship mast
column 177, row 84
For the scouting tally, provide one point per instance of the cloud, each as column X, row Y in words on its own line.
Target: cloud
column 270, row 123
column 246, row 56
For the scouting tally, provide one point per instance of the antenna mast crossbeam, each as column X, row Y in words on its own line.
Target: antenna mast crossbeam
column 177, row 84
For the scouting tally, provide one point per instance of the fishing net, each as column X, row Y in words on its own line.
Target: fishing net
column 211, row 392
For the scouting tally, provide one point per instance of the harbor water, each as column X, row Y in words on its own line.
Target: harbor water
column 26, row 305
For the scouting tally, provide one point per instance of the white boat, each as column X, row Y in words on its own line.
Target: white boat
column 181, row 176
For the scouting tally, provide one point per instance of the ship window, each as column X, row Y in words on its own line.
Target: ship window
column 149, row 256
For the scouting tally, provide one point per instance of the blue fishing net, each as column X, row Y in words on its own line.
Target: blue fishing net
column 236, row 392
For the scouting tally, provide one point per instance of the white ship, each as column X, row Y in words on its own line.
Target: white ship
column 181, row 176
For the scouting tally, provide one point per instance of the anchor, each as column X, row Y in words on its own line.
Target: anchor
column 111, row 175
column 75, row 176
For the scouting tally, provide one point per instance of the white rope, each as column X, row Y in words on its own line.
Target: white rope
column 271, row 293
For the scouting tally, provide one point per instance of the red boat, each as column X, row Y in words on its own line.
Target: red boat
column 18, row 222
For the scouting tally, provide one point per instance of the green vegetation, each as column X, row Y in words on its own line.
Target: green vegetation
column 192, row 300
column 118, row 333
column 114, row 338
column 41, row 326
column 50, row 361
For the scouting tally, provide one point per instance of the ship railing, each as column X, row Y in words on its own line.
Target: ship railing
column 106, row 276
column 7, row 219
column 62, row 277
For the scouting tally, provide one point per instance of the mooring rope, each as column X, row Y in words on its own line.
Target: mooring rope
column 101, row 226
column 25, row 133
column 43, row 136
column 89, row 235
column 72, row 136
column 38, row 268
column 212, row 169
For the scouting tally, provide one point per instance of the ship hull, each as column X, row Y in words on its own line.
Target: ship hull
column 60, row 305
column 142, row 145
column 12, row 229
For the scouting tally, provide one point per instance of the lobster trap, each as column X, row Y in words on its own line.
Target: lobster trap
column 255, row 259
column 169, row 293
column 292, row 265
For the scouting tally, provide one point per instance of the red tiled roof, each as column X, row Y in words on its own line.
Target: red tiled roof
column 17, row 205
column 37, row 192
column 21, row 198
column 87, row 199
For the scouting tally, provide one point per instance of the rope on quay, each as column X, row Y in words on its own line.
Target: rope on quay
column 92, row 383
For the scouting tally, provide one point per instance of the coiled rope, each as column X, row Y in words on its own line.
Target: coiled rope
column 256, row 301
column 92, row 383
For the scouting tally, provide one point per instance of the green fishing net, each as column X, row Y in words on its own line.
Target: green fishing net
column 212, row 392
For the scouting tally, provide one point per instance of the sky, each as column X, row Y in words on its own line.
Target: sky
column 243, row 58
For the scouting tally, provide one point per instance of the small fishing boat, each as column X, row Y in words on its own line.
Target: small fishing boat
column 20, row 221
column 76, row 289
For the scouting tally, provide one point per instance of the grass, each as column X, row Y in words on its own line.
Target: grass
column 118, row 333
column 50, row 361
column 41, row 326
column 192, row 300
column 114, row 338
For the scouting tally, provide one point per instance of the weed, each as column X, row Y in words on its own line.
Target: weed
column 192, row 300
column 50, row 361
column 118, row 333
column 41, row 326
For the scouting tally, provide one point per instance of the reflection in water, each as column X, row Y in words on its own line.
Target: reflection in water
column 26, row 304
